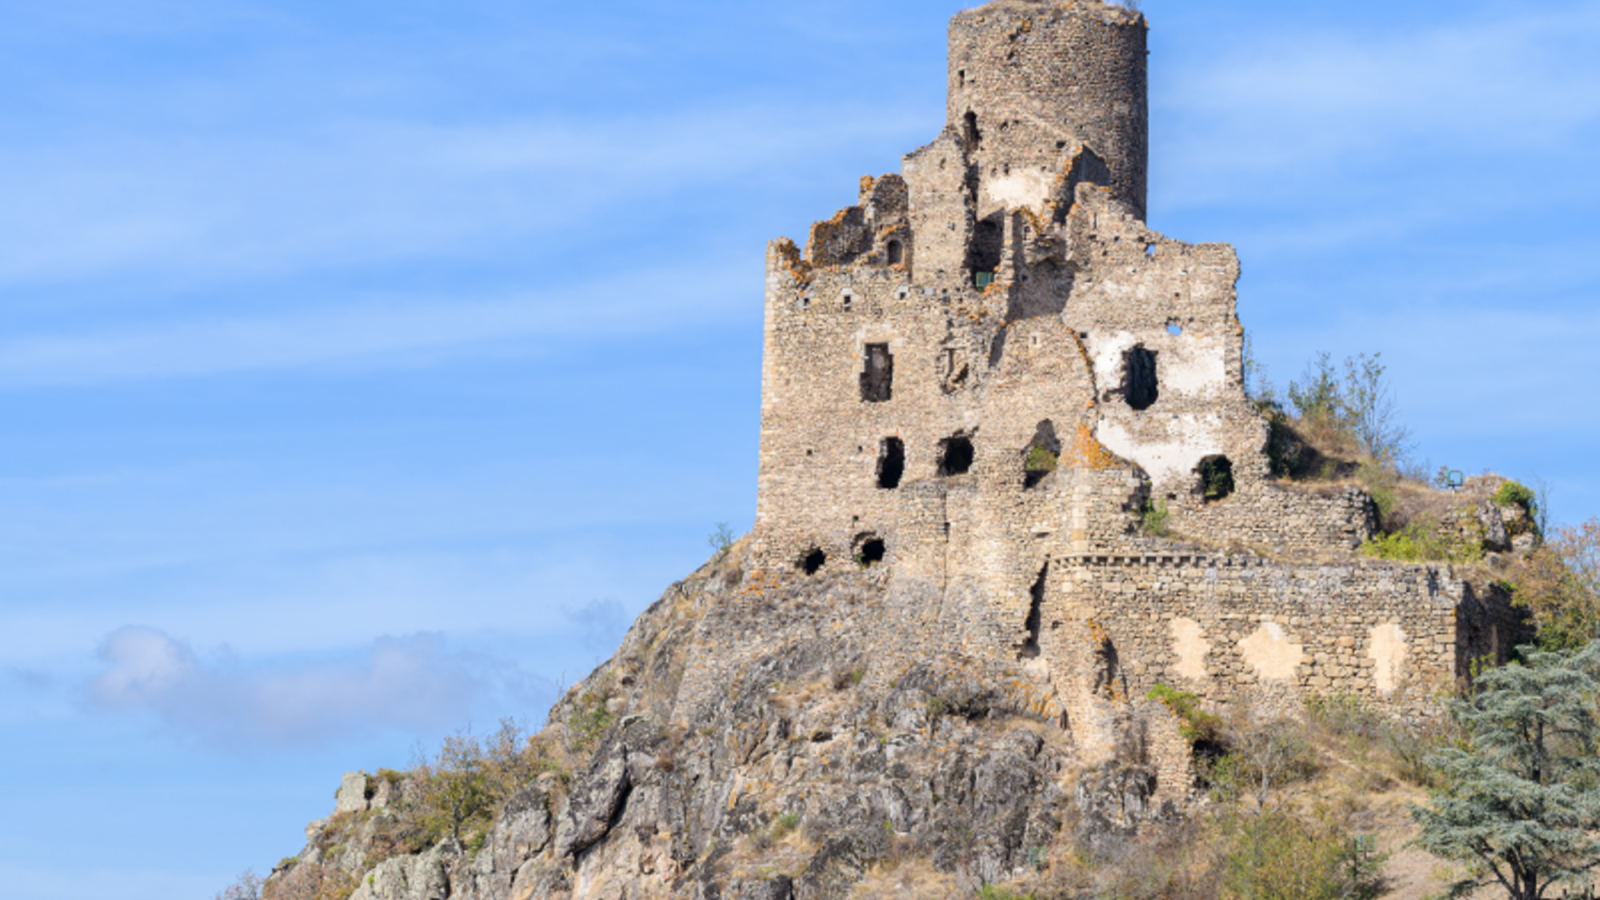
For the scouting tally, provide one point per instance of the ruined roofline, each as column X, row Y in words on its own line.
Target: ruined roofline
column 1120, row 13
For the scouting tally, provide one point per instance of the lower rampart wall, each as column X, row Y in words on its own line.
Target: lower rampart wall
column 1226, row 628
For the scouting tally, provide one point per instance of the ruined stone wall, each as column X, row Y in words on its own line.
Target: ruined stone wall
column 1224, row 628
column 1284, row 520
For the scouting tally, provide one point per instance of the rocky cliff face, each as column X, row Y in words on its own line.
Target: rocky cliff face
column 762, row 737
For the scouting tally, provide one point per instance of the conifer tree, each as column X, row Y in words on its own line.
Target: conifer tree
column 1521, row 795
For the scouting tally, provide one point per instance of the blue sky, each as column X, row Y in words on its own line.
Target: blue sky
column 367, row 366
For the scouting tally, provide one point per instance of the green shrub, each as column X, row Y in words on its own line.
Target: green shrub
column 1154, row 518
column 783, row 825
column 1216, row 477
column 1513, row 494
column 1195, row 724
column 1040, row 459
column 1380, row 484
column 591, row 718
column 1422, row 541
column 1279, row 856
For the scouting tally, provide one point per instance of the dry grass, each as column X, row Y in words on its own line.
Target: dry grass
column 910, row 879
column 756, row 857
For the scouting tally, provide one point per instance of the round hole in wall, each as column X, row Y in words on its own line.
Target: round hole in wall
column 1175, row 329
column 870, row 550
column 812, row 561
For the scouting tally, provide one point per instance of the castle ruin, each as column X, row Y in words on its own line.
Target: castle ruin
column 988, row 370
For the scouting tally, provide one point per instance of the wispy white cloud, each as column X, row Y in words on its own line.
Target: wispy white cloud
column 411, row 683
column 357, row 333
column 193, row 206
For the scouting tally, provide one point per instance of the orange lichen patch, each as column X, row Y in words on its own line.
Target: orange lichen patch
column 1035, row 221
column 1087, row 452
column 822, row 231
column 1097, row 632
column 867, row 184
column 789, row 257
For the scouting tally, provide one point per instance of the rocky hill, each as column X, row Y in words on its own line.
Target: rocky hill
column 754, row 737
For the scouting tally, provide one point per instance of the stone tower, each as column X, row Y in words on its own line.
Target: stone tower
column 1031, row 82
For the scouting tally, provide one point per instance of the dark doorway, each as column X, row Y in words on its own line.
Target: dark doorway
column 1216, row 477
column 877, row 377
column 1139, row 386
column 891, row 463
column 955, row 456
column 1042, row 455
column 988, row 245
column 896, row 253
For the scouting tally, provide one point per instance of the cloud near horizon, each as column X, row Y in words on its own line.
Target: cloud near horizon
column 411, row 683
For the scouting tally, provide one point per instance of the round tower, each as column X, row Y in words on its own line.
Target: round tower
column 1033, row 83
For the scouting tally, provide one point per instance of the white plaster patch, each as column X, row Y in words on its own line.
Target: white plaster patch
column 1386, row 647
column 1021, row 189
column 1184, row 365
column 1271, row 653
column 1106, row 351
column 1190, row 365
column 1191, row 438
column 1189, row 644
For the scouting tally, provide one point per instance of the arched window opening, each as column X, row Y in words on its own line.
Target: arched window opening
column 895, row 252
column 877, row 376
column 870, row 550
column 812, row 562
column 955, row 455
column 973, row 136
column 891, row 463
column 1139, row 385
column 1042, row 455
column 1216, row 477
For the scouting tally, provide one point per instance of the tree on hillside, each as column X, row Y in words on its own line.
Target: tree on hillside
column 460, row 788
column 1361, row 404
column 1521, row 797
column 1559, row 585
